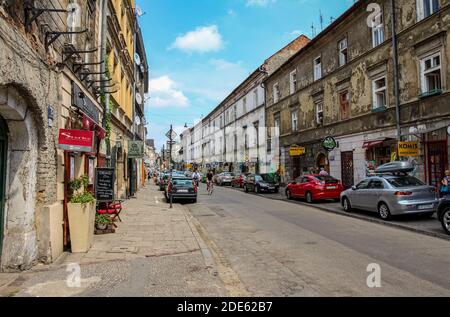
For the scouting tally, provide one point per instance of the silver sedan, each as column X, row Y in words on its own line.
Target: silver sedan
column 391, row 195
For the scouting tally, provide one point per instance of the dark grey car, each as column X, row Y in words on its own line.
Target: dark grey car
column 182, row 188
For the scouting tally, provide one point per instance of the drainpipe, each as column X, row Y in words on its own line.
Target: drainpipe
column 396, row 69
column 104, row 30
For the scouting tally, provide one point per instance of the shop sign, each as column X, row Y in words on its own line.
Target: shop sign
column 135, row 149
column 329, row 143
column 448, row 130
column 85, row 104
column 76, row 140
column 297, row 150
column 408, row 149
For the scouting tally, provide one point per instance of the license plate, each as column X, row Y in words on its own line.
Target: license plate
column 422, row 207
column 271, row 187
column 183, row 191
column 332, row 187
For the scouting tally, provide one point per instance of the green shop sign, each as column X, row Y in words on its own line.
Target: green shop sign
column 135, row 149
column 329, row 143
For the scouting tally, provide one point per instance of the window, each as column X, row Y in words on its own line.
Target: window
column 293, row 82
column 379, row 93
column 277, row 124
column 235, row 112
column 276, row 93
column 318, row 68
column 377, row 30
column 319, row 113
column 343, row 52
column 244, row 104
column 344, row 100
column 294, row 120
column 256, row 97
column 430, row 73
column 425, row 8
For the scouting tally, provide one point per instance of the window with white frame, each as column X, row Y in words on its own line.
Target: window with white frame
column 276, row 93
column 277, row 124
column 378, row 30
column 318, row 68
column 343, row 52
column 430, row 73
column 319, row 112
column 425, row 8
column 256, row 97
column 294, row 120
column 379, row 91
column 293, row 82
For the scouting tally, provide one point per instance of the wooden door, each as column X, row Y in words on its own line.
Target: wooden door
column 437, row 162
column 347, row 168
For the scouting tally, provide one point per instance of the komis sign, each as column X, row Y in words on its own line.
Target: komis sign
column 76, row 140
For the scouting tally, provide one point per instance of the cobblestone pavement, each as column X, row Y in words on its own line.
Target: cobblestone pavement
column 156, row 251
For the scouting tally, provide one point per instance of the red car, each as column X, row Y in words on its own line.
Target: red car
column 238, row 181
column 315, row 187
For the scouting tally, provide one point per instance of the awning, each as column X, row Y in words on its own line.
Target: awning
column 371, row 144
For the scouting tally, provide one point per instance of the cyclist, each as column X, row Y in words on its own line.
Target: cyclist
column 209, row 180
column 196, row 178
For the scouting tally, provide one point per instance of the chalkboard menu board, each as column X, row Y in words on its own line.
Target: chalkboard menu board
column 104, row 184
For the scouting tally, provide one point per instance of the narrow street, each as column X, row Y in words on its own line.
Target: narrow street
column 282, row 249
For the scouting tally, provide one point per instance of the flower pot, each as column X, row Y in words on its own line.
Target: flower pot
column 81, row 225
column 100, row 226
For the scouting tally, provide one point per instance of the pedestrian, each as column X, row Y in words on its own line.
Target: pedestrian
column 445, row 189
column 323, row 172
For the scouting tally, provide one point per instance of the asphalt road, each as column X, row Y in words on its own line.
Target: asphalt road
column 267, row 247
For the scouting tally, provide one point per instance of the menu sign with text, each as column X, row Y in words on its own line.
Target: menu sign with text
column 104, row 184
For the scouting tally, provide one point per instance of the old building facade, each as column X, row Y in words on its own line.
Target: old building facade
column 336, row 100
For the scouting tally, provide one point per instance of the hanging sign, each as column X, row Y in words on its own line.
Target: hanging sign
column 448, row 130
column 135, row 149
column 76, row 140
column 408, row 149
column 329, row 143
column 104, row 184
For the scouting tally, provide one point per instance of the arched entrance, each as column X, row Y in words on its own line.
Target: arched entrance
column 322, row 162
column 3, row 156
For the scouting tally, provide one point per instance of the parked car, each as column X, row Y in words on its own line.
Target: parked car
column 444, row 213
column 181, row 188
column 224, row 179
column 392, row 192
column 315, row 187
column 239, row 181
column 259, row 183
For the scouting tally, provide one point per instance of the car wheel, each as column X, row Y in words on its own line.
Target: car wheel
column 446, row 220
column 288, row 194
column 384, row 212
column 257, row 189
column 346, row 205
column 246, row 188
column 309, row 198
column 194, row 201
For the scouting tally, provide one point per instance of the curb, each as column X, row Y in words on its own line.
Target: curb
column 442, row 236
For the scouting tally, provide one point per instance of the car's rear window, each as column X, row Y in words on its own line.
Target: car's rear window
column 405, row 181
column 326, row 179
column 182, row 182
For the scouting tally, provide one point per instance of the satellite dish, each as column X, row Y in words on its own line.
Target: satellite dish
column 137, row 120
column 139, row 99
column 139, row 11
column 137, row 59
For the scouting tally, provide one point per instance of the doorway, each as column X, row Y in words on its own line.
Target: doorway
column 3, row 160
column 296, row 164
column 322, row 162
column 348, row 173
column 437, row 161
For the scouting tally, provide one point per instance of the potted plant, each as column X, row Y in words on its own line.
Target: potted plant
column 81, row 212
column 102, row 221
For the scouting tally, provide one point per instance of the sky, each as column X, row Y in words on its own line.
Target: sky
column 200, row 50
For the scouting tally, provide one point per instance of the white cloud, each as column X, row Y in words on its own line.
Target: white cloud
column 259, row 3
column 203, row 39
column 163, row 94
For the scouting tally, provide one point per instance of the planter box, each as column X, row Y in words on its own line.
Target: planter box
column 82, row 226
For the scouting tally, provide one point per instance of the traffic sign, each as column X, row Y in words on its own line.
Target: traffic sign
column 171, row 134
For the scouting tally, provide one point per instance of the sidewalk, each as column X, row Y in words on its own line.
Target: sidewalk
column 156, row 251
column 149, row 229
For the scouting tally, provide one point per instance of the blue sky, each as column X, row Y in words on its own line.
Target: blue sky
column 200, row 50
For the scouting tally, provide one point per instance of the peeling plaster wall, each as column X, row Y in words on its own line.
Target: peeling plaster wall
column 28, row 85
